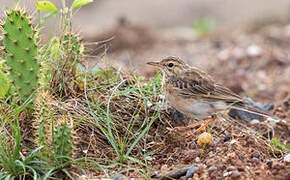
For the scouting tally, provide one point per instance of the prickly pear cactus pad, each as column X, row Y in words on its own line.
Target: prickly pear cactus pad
column 62, row 141
column 21, row 52
column 72, row 44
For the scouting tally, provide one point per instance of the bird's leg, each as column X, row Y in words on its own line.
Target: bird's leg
column 189, row 127
column 208, row 122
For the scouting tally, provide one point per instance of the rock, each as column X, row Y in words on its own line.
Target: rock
column 212, row 169
column 255, row 160
column 236, row 174
column 269, row 163
column 197, row 159
column 254, row 122
column 233, row 141
column 286, row 104
column 239, row 114
column 177, row 116
column 183, row 178
column 227, row 173
column 287, row 176
column 227, row 138
column 231, row 168
column 254, row 51
column 268, row 107
column 119, row 177
column 287, row 158
column 240, row 168
column 190, row 172
column 257, row 172
column 278, row 166
column 250, row 139
column 256, row 155
column 149, row 104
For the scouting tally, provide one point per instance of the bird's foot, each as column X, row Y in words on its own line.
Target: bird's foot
column 187, row 128
column 203, row 124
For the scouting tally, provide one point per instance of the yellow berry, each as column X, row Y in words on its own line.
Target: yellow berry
column 205, row 138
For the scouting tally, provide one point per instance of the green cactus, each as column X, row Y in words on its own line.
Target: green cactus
column 62, row 142
column 5, row 84
column 21, row 52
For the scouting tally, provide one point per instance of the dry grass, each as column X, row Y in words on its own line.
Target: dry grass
column 125, row 105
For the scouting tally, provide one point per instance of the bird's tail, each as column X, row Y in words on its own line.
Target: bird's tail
column 250, row 109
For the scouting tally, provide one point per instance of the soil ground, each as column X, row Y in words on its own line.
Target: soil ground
column 252, row 60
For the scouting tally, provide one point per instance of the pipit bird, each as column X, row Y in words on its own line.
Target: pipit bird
column 195, row 94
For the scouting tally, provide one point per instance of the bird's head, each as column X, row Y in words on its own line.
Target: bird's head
column 171, row 66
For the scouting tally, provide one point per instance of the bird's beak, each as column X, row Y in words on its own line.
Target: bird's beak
column 154, row 64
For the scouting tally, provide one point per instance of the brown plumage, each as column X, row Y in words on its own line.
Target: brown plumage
column 194, row 93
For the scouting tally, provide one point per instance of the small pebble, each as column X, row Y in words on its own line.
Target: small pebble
column 256, row 155
column 190, row 172
column 278, row 166
column 257, row 172
column 231, row 168
column 149, row 104
column 217, row 43
column 254, row 51
column 241, row 169
column 227, row 138
column 269, row 163
column 236, row 174
column 119, row 177
column 233, row 141
column 254, row 122
column 212, row 169
column 183, row 178
column 251, row 139
column 287, row 158
column 286, row 104
column 227, row 173
column 255, row 160
column 287, row 176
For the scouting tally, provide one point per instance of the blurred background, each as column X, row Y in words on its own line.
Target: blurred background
column 103, row 14
column 232, row 39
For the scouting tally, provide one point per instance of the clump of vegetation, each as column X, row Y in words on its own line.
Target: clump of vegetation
column 56, row 125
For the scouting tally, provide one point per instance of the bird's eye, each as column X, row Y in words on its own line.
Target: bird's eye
column 170, row 65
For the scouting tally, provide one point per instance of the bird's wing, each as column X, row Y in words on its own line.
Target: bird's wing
column 198, row 83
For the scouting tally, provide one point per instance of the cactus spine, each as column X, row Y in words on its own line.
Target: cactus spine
column 21, row 52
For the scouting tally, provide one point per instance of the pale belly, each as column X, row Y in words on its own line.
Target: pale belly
column 195, row 108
